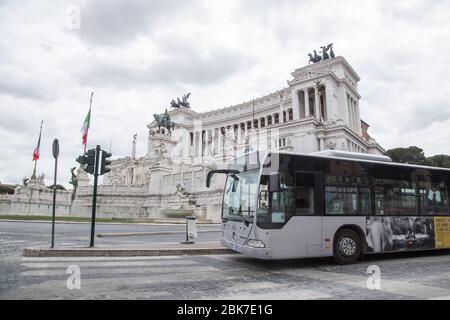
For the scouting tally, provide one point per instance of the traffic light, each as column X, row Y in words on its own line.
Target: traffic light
column 105, row 162
column 88, row 159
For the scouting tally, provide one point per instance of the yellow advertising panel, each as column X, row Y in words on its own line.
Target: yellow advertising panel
column 442, row 232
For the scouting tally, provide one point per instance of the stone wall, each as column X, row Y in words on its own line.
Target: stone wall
column 36, row 200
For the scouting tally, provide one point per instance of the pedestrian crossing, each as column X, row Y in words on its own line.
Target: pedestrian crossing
column 5, row 241
column 112, row 277
column 208, row 277
column 163, row 277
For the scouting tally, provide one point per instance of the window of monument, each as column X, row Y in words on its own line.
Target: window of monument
column 263, row 122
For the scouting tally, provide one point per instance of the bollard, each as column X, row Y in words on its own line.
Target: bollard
column 191, row 230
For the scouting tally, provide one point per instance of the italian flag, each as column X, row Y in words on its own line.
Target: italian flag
column 36, row 152
column 85, row 128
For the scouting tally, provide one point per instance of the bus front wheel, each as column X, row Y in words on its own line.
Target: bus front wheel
column 347, row 246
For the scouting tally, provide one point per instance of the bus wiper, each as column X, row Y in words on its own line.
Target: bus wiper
column 243, row 218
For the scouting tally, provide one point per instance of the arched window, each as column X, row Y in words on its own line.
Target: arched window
column 269, row 120
column 291, row 114
column 263, row 122
column 276, row 118
column 284, row 116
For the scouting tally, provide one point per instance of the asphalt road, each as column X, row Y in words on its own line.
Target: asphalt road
column 16, row 235
column 419, row 275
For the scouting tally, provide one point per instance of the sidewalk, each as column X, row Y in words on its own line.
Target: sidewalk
column 150, row 233
column 154, row 249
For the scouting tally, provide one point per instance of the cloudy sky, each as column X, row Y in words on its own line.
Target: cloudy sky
column 137, row 55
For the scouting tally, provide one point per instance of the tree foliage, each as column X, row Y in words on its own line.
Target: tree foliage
column 416, row 155
column 58, row 187
column 440, row 160
column 411, row 155
column 6, row 189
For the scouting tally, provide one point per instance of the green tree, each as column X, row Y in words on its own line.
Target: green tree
column 439, row 160
column 6, row 189
column 411, row 155
column 58, row 187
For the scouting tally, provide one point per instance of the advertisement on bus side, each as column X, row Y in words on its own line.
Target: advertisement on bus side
column 407, row 233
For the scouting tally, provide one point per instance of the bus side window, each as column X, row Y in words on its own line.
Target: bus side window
column 347, row 195
column 304, row 193
column 433, row 199
column 263, row 200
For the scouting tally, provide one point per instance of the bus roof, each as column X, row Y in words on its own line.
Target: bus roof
column 357, row 157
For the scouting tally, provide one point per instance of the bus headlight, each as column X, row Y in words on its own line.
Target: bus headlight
column 255, row 243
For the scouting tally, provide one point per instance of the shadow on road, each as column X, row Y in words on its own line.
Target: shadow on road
column 329, row 261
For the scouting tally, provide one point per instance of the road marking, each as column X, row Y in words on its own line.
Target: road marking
column 106, row 259
column 2, row 241
column 120, row 271
column 106, row 264
column 57, row 288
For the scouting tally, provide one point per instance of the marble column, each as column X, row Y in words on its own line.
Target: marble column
column 194, row 144
column 295, row 105
column 350, row 113
column 239, row 136
column 191, row 144
column 358, row 118
column 316, row 103
column 206, row 142
column 245, row 130
column 329, row 107
column 306, row 104
column 355, row 122
column 216, row 141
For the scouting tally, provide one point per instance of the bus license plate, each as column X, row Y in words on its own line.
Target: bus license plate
column 236, row 247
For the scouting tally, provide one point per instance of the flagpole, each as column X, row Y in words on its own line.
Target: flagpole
column 90, row 106
column 33, row 176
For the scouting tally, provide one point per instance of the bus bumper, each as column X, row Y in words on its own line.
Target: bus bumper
column 259, row 253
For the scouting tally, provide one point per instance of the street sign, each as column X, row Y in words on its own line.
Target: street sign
column 55, row 151
column 55, row 148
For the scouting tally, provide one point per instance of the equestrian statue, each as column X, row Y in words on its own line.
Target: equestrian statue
column 163, row 120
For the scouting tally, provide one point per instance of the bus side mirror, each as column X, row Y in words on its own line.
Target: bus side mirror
column 274, row 183
column 213, row 172
column 235, row 183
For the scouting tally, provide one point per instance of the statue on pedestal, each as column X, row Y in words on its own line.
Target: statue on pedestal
column 163, row 120
column 181, row 103
column 40, row 179
column 73, row 181
column 325, row 55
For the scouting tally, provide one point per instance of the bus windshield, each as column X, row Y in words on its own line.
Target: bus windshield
column 239, row 201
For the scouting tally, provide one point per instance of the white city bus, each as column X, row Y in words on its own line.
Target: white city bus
column 332, row 203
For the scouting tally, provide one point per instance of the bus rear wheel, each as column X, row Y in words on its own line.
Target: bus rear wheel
column 347, row 246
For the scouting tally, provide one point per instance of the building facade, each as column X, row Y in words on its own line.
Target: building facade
column 318, row 110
